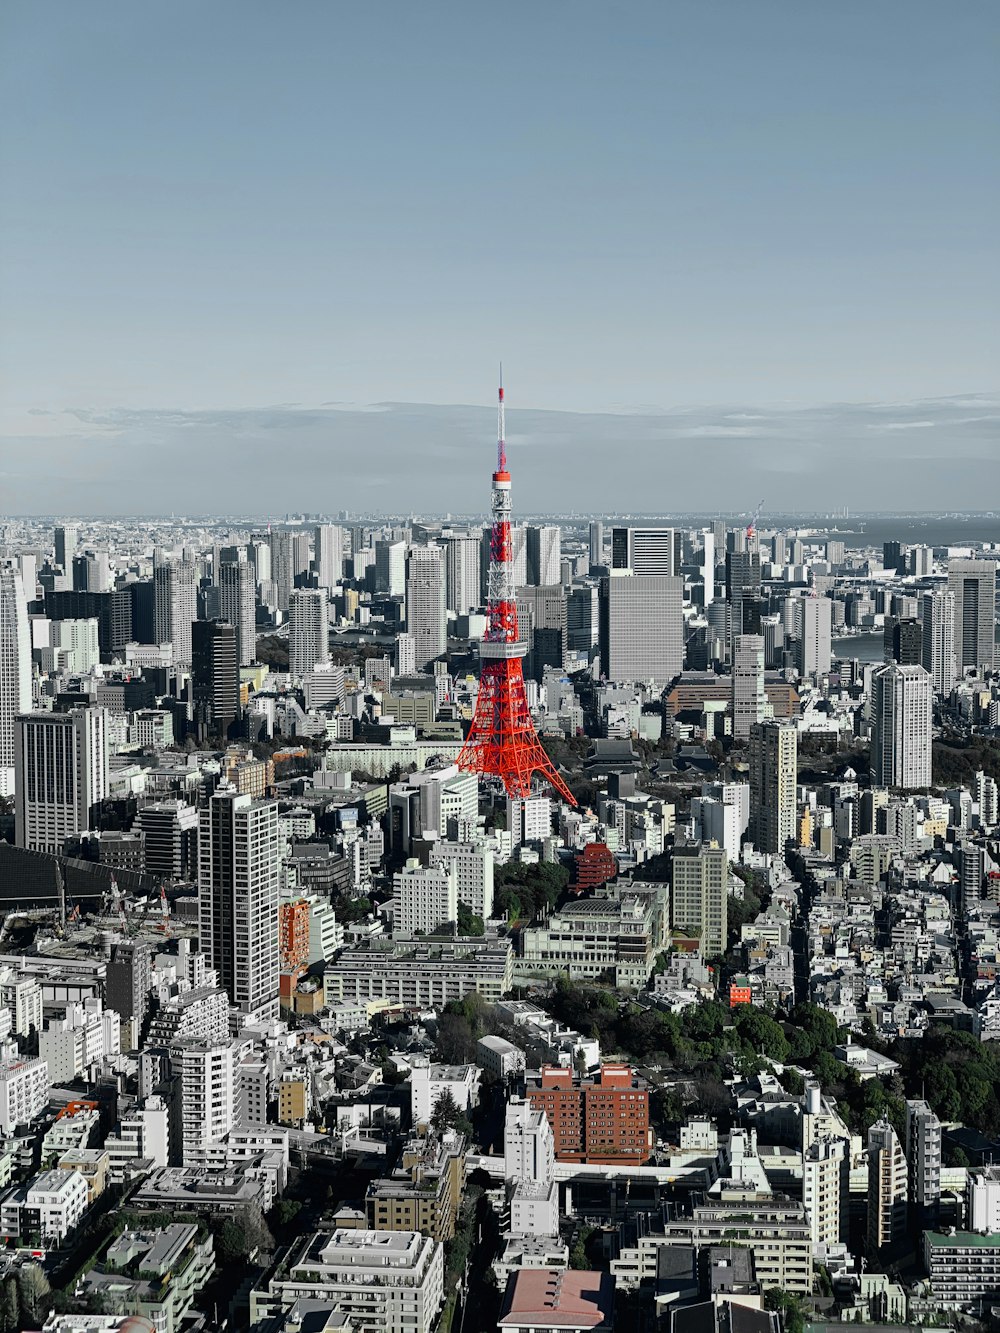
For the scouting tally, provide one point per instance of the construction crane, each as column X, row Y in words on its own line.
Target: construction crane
column 752, row 525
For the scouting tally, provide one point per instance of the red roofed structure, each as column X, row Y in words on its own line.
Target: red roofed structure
column 540, row 1299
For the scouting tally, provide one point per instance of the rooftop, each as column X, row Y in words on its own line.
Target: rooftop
column 554, row 1298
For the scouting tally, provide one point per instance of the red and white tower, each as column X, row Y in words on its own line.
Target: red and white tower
column 502, row 742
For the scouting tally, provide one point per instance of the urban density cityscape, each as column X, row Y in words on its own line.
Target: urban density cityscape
column 536, row 926
column 539, row 877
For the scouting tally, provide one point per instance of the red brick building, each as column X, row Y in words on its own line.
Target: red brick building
column 604, row 1120
column 593, row 866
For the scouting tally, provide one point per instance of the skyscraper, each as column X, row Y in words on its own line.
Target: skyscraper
column 641, row 627
column 175, row 607
column 308, row 630
column 743, row 591
column 65, row 544
column 699, row 895
column 426, row 616
column 61, row 776
column 814, row 628
column 544, row 553
column 938, row 615
column 15, row 669
column 541, row 621
column 708, row 565
column 749, row 696
column 238, row 874
column 462, row 580
column 596, row 544
column 646, row 550
column 282, row 567
column 238, row 605
column 902, row 717
column 773, row 776
column 329, row 555
column 974, row 584
column 215, row 676
column 390, row 568
column 903, row 641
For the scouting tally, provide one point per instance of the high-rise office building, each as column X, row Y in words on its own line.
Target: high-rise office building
column 462, row 580
column 15, row 669
column 708, row 565
column 92, row 572
column 743, row 592
column 699, row 895
column 582, row 618
column 596, row 544
column 921, row 562
column 329, row 555
column 938, row 649
column 61, row 776
column 175, row 606
column 544, row 553
column 886, row 1187
column 541, row 622
column 646, row 550
column 903, row 641
column 282, row 567
column 238, row 873
column 237, row 603
column 390, row 568
column 749, row 698
column 215, row 676
column 426, row 615
column 892, row 556
column 923, row 1155
column 974, row 584
column 902, row 719
column 773, row 778
column 308, row 630
column 65, row 543
column 641, row 627
column 814, row 630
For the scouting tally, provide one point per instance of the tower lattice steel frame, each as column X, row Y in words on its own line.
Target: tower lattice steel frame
column 502, row 742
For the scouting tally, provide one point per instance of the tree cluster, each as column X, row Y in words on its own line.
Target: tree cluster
column 522, row 892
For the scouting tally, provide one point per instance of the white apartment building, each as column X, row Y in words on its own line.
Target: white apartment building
column 902, row 717
column 472, row 865
column 206, row 1072
column 86, row 1034
column 423, row 898
column 529, row 1166
column 529, row 818
column 825, row 1184
column 428, row 1082
column 21, row 995
column 383, row 1281
column 52, row 1203
column 15, row 669
column 308, row 630
column 24, row 1092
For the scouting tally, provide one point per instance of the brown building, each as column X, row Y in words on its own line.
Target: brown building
column 604, row 1120
column 424, row 1192
column 593, row 866
column 694, row 689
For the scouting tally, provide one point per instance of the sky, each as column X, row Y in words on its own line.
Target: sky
column 259, row 257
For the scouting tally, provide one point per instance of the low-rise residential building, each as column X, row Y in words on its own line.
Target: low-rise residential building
column 47, row 1207
column 421, row 974
column 155, row 1273
column 604, row 1119
column 425, row 1190
column 964, row 1268
column 384, row 1281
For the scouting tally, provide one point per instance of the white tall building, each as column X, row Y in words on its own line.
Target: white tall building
column 750, row 703
column 645, row 550
column 426, row 616
column 208, row 1104
column 708, row 565
column 473, row 867
column 544, row 556
column 424, row 898
column 406, row 655
column 61, row 776
column 814, row 629
column 239, row 866
column 641, row 627
column 902, row 727
column 24, row 1092
column 973, row 583
column 938, row 616
column 529, row 1165
column 390, row 568
column 825, row 1186
column 175, row 606
column 329, row 555
column 987, row 800
column 15, row 669
column 462, row 578
column 77, row 639
column 887, row 1187
column 529, row 818
column 308, row 630
column 237, row 597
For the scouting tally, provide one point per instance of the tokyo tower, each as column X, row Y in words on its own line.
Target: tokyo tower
column 502, row 742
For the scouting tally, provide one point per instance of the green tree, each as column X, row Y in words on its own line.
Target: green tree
column 761, row 1033
column 788, row 1306
column 468, row 922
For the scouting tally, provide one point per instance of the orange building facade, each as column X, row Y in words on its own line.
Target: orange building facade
column 604, row 1120
column 293, row 934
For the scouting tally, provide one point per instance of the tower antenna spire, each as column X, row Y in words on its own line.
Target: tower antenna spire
column 501, row 432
